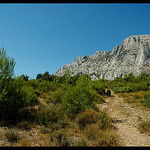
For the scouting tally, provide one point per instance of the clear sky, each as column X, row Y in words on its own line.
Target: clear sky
column 44, row 37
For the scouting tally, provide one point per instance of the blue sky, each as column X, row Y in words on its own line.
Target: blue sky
column 44, row 37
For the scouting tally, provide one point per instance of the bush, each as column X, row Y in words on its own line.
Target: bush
column 138, row 97
column 57, row 96
column 23, row 125
column 99, row 87
column 144, row 127
column 79, row 98
column 88, row 117
column 97, row 97
column 15, row 97
column 122, row 89
column 47, row 115
column 28, row 96
column 46, row 86
column 60, row 138
column 34, row 83
column 91, row 131
column 104, row 121
column 107, row 138
column 146, row 101
column 141, row 86
column 98, row 137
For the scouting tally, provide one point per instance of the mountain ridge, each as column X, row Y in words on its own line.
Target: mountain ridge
column 132, row 56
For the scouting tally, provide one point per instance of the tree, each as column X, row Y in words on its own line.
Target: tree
column 6, row 71
column 39, row 76
column 14, row 94
column 6, row 65
column 25, row 77
column 46, row 76
column 78, row 98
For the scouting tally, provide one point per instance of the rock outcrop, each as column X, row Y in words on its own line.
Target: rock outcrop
column 132, row 56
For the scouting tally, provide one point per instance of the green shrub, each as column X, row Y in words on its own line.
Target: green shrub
column 138, row 97
column 23, row 125
column 88, row 117
column 122, row 89
column 79, row 98
column 107, row 138
column 98, row 137
column 57, row 96
column 97, row 98
column 104, row 120
column 28, row 96
column 14, row 97
column 99, row 87
column 34, row 83
column 7, row 65
column 47, row 115
column 146, row 101
column 141, row 86
column 144, row 127
column 46, row 86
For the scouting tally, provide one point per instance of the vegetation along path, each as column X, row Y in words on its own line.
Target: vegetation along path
column 125, row 119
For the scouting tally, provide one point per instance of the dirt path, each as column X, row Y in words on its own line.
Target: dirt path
column 126, row 119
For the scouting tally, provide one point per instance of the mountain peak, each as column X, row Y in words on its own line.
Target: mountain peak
column 132, row 56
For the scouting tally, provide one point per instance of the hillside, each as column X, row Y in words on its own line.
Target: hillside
column 72, row 110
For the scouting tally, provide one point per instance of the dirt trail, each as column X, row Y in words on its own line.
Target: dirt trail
column 125, row 119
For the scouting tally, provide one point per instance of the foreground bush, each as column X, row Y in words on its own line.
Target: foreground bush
column 90, row 116
column 98, row 137
column 14, row 98
column 79, row 98
column 97, row 128
column 15, row 94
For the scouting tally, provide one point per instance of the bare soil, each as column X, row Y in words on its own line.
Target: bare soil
column 125, row 118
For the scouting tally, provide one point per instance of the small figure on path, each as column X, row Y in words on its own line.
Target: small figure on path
column 108, row 93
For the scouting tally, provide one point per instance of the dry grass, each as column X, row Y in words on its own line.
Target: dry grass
column 98, row 137
column 23, row 143
column 135, row 98
column 144, row 127
column 84, row 131
column 12, row 136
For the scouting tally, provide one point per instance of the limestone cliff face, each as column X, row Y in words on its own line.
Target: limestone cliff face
column 132, row 56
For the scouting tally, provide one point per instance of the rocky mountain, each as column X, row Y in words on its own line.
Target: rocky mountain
column 132, row 56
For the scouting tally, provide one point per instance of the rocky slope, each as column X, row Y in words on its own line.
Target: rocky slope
column 132, row 56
